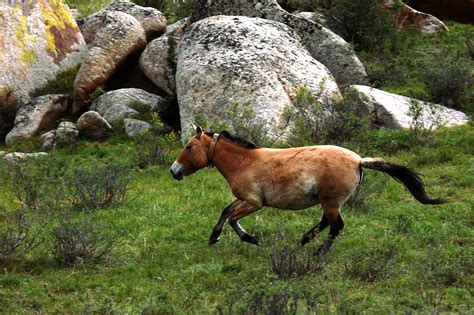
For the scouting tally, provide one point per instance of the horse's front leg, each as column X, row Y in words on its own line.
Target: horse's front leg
column 242, row 210
column 216, row 231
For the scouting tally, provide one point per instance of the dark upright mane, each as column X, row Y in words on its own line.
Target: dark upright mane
column 235, row 140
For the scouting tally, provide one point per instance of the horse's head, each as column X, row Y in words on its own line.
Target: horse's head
column 194, row 156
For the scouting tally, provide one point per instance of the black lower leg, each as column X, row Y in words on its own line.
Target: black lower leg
column 244, row 236
column 333, row 233
column 216, row 231
column 315, row 230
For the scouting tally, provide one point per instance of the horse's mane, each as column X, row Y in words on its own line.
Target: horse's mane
column 235, row 140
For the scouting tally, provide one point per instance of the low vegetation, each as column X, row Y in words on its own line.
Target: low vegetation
column 148, row 251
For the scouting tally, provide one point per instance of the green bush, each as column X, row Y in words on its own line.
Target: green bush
column 18, row 233
column 362, row 22
column 80, row 239
column 448, row 81
column 318, row 122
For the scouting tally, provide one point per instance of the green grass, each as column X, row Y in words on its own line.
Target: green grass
column 394, row 255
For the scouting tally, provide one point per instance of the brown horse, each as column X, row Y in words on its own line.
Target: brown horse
column 294, row 178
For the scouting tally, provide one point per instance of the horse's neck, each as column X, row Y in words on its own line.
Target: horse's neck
column 231, row 159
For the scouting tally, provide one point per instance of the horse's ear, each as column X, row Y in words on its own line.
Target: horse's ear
column 198, row 130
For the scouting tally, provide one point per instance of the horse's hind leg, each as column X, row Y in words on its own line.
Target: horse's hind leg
column 216, row 231
column 336, row 224
column 242, row 210
column 315, row 230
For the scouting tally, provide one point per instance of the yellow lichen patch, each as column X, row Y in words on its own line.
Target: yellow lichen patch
column 50, row 44
column 29, row 56
column 58, row 16
column 22, row 28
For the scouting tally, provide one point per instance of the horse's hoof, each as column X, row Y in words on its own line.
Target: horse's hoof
column 305, row 240
column 252, row 239
column 212, row 241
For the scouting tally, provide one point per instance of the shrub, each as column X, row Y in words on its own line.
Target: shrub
column 371, row 265
column 173, row 10
column 17, row 235
column 244, row 124
column 82, row 239
column 98, row 186
column 36, row 181
column 324, row 122
column 156, row 145
column 62, row 84
column 261, row 300
column 293, row 261
column 362, row 22
column 447, row 82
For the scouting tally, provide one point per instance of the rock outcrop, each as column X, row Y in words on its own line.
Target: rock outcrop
column 395, row 111
column 151, row 19
column 119, row 36
column 38, row 39
column 117, row 105
column 423, row 22
column 158, row 60
column 39, row 114
column 227, row 61
column 92, row 126
column 324, row 45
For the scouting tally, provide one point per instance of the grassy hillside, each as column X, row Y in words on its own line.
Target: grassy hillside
column 394, row 255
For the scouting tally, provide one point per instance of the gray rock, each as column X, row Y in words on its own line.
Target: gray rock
column 66, row 133
column 38, row 40
column 136, row 128
column 324, row 45
column 93, row 126
column 151, row 19
column 47, row 140
column 226, row 61
column 117, row 105
column 119, row 36
column 393, row 111
column 39, row 114
column 15, row 156
column 158, row 63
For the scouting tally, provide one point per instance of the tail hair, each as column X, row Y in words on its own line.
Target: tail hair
column 408, row 177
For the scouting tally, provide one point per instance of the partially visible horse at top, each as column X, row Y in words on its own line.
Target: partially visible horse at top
column 293, row 178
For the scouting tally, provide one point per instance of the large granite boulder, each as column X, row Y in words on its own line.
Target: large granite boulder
column 39, row 114
column 38, row 39
column 324, row 45
column 395, row 111
column 254, row 63
column 119, row 36
column 151, row 19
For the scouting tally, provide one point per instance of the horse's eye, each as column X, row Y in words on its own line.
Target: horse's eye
column 188, row 147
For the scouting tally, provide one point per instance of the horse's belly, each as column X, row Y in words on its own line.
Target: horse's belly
column 292, row 198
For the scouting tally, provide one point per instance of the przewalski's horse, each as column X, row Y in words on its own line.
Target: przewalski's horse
column 294, row 178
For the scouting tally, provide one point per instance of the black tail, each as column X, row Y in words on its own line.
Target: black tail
column 408, row 177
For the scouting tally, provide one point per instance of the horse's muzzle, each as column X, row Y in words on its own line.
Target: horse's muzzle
column 176, row 171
